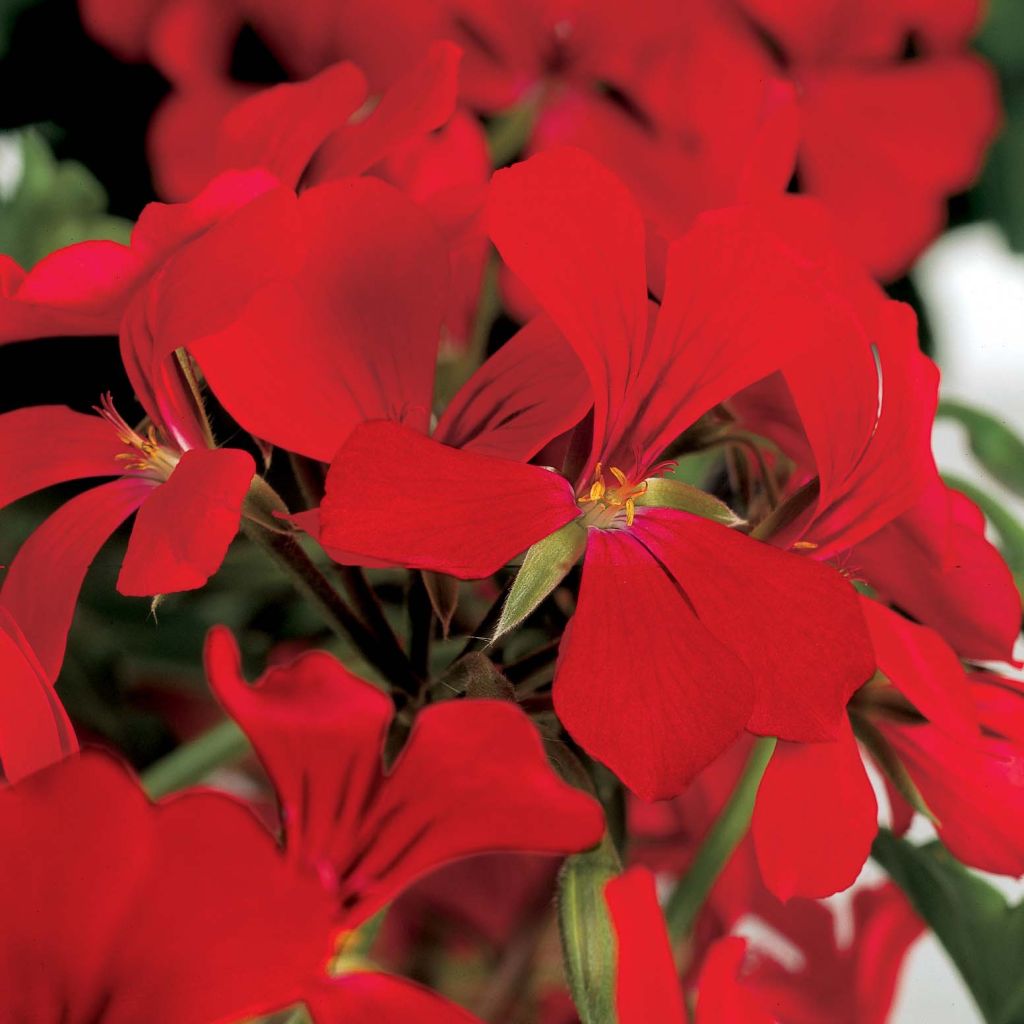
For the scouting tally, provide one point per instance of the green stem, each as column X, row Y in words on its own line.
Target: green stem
column 389, row 659
column 724, row 836
column 193, row 761
column 508, row 132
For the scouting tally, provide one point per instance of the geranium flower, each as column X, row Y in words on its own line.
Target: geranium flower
column 732, row 634
column 919, row 126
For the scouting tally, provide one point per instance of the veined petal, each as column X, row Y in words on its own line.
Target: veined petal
column 648, row 989
column 796, row 624
column 642, row 684
column 571, row 232
column 397, row 496
column 40, row 588
column 34, row 727
column 183, row 529
column 821, row 782
column 281, row 128
column 48, row 444
column 530, row 391
column 347, row 334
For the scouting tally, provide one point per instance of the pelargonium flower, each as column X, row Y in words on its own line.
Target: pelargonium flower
column 732, row 634
column 919, row 126
column 267, row 926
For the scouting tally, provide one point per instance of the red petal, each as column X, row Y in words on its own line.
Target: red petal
column 722, row 998
column 34, row 727
column 795, row 623
column 434, row 507
column 642, row 684
column 647, row 985
column 48, row 444
column 975, row 794
column 421, row 101
column 40, row 588
column 924, row 668
column 379, row 832
column 349, row 334
column 824, row 783
column 281, row 128
column 572, row 234
column 366, row 997
column 920, row 130
column 103, row 929
column 183, row 530
column 530, row 391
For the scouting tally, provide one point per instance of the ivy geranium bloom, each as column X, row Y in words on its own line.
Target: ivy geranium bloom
column 920, row 124
column 732, row 634
column 187, row 493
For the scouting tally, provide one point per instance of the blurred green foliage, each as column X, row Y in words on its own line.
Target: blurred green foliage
column 47, row 203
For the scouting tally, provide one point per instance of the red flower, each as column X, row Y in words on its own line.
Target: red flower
column 918, row 126
column 472, row 778
column 750, row 626
column 188, row 495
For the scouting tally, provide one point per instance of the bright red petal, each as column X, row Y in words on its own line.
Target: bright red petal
column 647, row 986
column 642, row 684
column 795, row 623
column 573, row 235
column 349, row 333
column 40, row 588
column 183, row 530
column 722, row 997
column 48, row 444
column 281, row 128
column 530, row 391
column 366, row 997
column 34, row 727
column 434, row 507
column 824, row 783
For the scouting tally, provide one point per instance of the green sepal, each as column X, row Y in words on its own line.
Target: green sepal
column 588, row 939
column 545, row 566
column 665, row 492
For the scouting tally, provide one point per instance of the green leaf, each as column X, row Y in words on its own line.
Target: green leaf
column 588, row 940
column 665, row 492
column 995, row 446
column 46, row 204
column 982, row 934
column 545, row 566
column 1011, row 533
column 9, row 11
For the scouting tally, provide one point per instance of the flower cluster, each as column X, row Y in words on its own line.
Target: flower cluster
column 677, row 506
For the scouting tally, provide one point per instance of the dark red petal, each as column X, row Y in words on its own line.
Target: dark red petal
column 924, row 668
column 824, row 783
column 34, row 727
column 421, row 101
column 104, row 929
column 642, row 684
column 183, row 530
column 722, row 998
column 349, row 333
column 795, row 623
column 573, row 235
column 40, row 588
column 47, row 444
column 397, row 496
column 367, row 997
column 647, row 986
column 530, row 391
column 281, row 128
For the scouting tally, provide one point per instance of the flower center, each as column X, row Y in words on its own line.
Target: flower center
column 608, row 502
column 146, row 456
